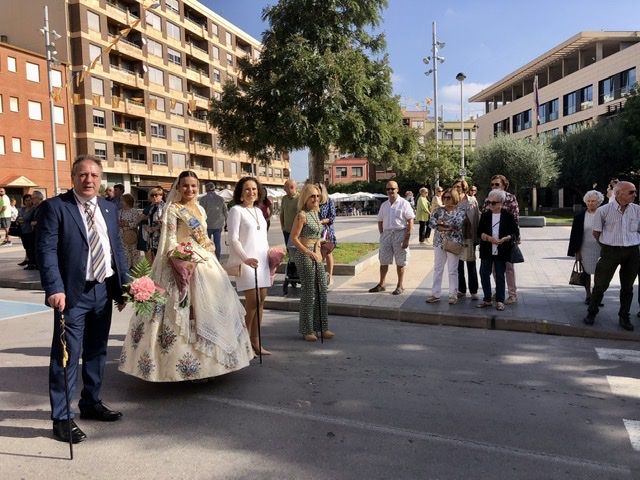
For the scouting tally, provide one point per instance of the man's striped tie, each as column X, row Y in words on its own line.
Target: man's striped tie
column 98, row 265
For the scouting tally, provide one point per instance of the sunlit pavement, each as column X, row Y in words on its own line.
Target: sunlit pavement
column 547, row 304
column 382, row 400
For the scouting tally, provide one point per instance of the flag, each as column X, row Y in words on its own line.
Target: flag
column 536, row 101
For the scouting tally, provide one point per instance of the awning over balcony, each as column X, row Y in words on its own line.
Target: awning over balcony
column 17, row 181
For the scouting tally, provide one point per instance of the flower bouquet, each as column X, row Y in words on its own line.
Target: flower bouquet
column 143, row 293
column 275, row 256
column 183, row 263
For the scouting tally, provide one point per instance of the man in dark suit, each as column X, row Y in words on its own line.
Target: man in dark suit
column 82, row 269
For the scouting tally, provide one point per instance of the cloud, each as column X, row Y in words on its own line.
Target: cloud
column 449, row 97
column 449, row 12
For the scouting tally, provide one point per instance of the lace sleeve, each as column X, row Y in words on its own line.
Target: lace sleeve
column 233, row 228
column 171, row 229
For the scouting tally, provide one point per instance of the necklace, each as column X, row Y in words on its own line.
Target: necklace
column 253, row 213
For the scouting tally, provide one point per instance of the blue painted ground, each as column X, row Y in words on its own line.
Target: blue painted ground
column 14, row 309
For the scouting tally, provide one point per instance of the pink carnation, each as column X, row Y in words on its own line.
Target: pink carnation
column 142, row 289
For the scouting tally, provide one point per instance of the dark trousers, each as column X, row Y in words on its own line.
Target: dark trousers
column 424, row 231
column 487, row 265
column 286, row 238
column 87, row 332
column 29, row 243
column 628, row 258
column 473, row 277
column 215, row 234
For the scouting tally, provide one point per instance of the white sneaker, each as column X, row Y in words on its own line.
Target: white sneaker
column 453, row 299
column 511, row 299
column 474, row 296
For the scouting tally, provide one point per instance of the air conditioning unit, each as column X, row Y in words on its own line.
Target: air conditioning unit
column 135, row 178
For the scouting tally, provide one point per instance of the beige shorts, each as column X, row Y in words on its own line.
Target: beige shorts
column 391, row 248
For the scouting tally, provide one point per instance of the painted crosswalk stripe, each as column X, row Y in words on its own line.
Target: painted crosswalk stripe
column 633, row 428
column 624, row 386
column 618, row 354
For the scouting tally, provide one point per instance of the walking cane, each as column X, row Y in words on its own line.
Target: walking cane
column 255, row 272
column 318, row 302
column 65, row 360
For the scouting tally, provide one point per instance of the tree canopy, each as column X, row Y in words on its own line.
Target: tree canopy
column 526, row 164
column 322, row 80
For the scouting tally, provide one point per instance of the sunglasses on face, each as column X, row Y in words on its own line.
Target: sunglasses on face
column 391, row 189
column 496, row 184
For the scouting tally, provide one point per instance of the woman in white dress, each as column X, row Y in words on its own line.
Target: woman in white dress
column 582, row 243
column 204, row 336
column 249, row 249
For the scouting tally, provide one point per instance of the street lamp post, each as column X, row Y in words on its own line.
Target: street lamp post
column 50, row 50
column 461, row 77
column 436, row 45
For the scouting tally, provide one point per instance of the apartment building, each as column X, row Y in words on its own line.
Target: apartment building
column 347, row 170
column 143, row 74
column 581, row 81
column 26, row 147
column 449, row 131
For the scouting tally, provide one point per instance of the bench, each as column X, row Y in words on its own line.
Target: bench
column 532, row 221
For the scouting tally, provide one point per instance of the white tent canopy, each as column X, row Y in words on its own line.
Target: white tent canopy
column 355, row 197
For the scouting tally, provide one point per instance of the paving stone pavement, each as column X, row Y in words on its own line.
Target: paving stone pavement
column 546, row 302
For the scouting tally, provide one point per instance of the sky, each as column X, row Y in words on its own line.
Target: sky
column 484, row 40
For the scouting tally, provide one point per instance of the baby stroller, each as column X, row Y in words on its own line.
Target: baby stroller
column 290, row 276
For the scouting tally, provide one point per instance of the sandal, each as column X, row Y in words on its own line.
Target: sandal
column 500, row 306
column 432, row 300
column 377, row 288
column 484, row 304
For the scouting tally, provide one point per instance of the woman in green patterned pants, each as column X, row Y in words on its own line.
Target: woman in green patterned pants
column 305, row 239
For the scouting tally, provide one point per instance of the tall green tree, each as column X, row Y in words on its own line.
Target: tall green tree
column 591, row 156
column 322, row 80
column 526, row 164
column 630, row 120
column 426, row 166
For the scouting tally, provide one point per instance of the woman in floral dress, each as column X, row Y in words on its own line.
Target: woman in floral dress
column 203, row 336
column 447, row 223
column 129, row 219
column 327, row 215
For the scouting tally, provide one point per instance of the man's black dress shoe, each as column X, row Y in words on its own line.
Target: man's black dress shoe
column 625, row 323
column 61, row 431
column 100, row 412
column 589, row 319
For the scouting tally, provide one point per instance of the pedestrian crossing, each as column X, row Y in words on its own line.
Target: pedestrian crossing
column 626, row 387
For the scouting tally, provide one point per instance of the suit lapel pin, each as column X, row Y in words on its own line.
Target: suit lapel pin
column 106, row 210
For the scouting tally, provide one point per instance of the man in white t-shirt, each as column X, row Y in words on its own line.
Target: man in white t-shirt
column 395, row 221
column 5, row 217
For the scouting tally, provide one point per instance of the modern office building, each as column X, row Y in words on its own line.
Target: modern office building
column 143, row 74
column 26, row 145
column 581, row 81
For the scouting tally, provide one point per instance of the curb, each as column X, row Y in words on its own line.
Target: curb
column 487, row 322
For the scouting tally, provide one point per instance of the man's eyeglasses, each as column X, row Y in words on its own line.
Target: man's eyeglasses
column 391, row 189
column 495, row 203
column 498, row 184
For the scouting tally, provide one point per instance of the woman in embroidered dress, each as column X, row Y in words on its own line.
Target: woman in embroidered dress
column 248, row 249
column 305, row 240
column 203, row 336
column 447, row 224
column 327, row 215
